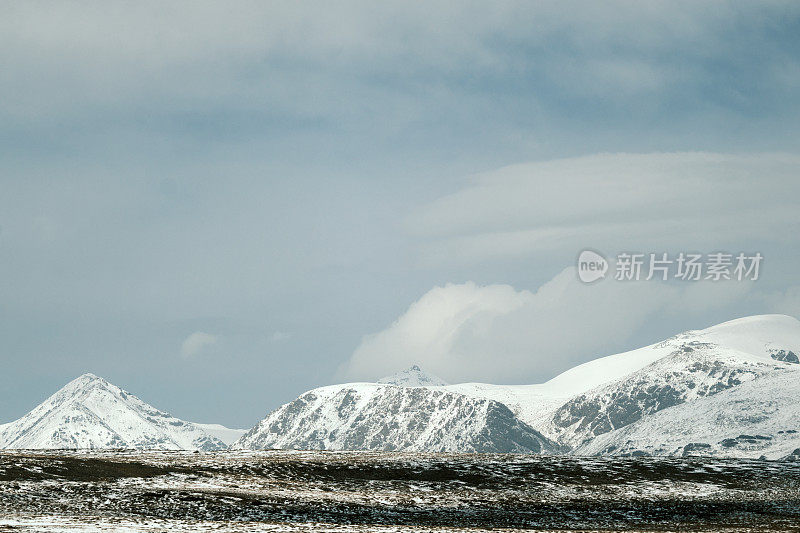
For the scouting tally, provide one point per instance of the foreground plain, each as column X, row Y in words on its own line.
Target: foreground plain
column 352, row 491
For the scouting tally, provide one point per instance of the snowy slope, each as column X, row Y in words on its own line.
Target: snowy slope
column 413, row 377
column 90, row 412
column 700, row 364
column 683, row 376
column 535, row 404
column 763, row 336
column 366, row 416
column 761, row 341
column 227, row 435
column 760, row 417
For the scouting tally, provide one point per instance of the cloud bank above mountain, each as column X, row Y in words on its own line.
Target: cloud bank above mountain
column 497, row 334
column 647, row 203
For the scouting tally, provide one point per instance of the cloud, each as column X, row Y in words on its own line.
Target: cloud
column 279, row 336
column 494, row 333
column 195, row 54
column 689, row 200
column 194, row 343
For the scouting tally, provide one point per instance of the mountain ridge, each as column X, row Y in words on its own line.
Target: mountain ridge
column 383, row 417
column 637, row 402
column 600, row 397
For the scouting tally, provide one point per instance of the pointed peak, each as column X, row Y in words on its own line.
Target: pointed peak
column 89, row 412
column 414, row 376
column 86, row 381
column 89, row 378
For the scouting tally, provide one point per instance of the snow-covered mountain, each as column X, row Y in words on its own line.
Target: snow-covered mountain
column 699, row 365
column 90, row 412
column 762, row 338
column 681, row 374
column 413, row 377
column 758, row 418
column 371, row 416
column 692, row 372
column 735, row 378
column 729, row 390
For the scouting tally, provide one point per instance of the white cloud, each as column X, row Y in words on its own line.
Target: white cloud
column 278, row 336
column 194, row 343
column 495, row 333
column 615, row 202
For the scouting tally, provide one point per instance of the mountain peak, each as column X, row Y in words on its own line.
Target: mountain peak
column 88, row 377
column 413, row 376
column 89, row 412
column 82, row 385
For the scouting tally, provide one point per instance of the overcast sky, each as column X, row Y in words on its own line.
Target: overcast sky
column 220, row 206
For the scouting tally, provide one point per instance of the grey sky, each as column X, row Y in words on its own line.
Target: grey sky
column 280, row 181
